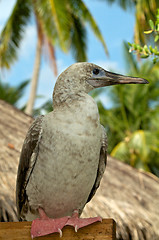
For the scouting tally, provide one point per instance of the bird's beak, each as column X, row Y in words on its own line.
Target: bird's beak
column 106, row 78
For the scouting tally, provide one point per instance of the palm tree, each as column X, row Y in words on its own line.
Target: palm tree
column 144, row 10
column 132, row 121
column 57, row 24
column 12, row 94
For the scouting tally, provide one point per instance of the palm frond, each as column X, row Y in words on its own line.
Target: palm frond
column 56, row 22
column 123, row 3
column 78, row 39
column 55, row 14
column 12, row 33
column 64, row 25
column 12, row 94
column 82, row 12
column 45, row 40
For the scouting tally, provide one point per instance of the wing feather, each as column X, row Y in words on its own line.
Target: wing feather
column 101, row 166
column 27, row 161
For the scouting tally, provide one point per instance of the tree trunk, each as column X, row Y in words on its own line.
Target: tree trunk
column 34, row 81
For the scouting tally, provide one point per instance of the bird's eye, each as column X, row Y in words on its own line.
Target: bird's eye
column 95, row 71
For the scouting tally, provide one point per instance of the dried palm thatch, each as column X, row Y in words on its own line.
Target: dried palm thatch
column 129, row 196
column 13, row 127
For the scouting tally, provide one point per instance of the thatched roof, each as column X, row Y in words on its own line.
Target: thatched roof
column 129, row 196
column 13, row 127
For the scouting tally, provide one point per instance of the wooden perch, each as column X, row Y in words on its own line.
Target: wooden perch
column 97, row 231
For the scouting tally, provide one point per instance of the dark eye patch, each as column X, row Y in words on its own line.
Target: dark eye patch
column 95, row 71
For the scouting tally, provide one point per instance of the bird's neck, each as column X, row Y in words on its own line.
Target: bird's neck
column 64, row 98
column 67, row 96
column 67, row 90
column 79, row 105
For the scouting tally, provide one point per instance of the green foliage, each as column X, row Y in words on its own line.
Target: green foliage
column 11, row 94
column 144, row 9
column 88, row 18
column 13, row 32
column 132, row 121
column 78, row 46
column 147, row 51
column 58, row 25
column 123, row 3
column 61, row 25
column 65, row 25
column 140, row 150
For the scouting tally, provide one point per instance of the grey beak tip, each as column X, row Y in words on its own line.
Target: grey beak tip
column 145, row 81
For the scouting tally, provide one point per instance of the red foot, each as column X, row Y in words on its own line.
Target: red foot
column 77, row 222
column 44, row 225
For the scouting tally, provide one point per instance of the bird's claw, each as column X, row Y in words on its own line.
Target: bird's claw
column 76, row 228
column 59, row 230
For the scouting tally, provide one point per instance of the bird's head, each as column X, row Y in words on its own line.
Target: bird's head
column 84, row 77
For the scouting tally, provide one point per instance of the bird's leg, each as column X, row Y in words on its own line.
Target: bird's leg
column 44, row 225
column 77, row 222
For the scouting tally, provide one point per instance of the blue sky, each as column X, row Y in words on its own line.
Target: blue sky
column 115, row 24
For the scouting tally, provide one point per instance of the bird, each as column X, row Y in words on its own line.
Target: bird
column 64, row 154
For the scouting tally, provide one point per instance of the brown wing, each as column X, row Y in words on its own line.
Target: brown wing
column 101, row 166
column 27, row 161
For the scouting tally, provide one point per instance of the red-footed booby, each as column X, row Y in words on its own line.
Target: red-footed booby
column 64, row 154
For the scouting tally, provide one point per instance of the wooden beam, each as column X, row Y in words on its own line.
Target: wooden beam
column 96, row 231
